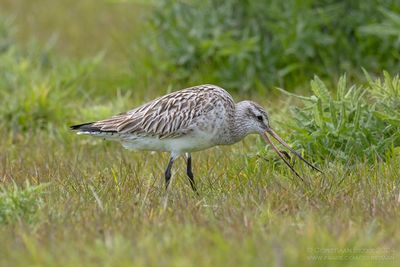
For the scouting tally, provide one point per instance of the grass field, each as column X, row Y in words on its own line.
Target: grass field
column 68, row 200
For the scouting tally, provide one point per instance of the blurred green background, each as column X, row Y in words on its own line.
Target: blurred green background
column 326, row 71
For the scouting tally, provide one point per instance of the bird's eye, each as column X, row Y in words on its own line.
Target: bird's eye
column 260, row 118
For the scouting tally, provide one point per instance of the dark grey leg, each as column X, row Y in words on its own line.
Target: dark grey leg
column 190, row 173
column 168, row 172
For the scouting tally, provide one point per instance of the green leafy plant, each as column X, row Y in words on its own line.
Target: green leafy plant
column 35, row 86
column 243, row 44
column 386, row 95
column 390, row 26
column 17, row 203
column 358, row 123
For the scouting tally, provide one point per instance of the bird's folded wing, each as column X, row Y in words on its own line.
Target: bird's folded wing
column 169, row 116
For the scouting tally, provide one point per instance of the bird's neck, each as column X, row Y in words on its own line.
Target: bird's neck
column 239, row 127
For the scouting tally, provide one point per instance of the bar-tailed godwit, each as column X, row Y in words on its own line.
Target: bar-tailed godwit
column 185, row 121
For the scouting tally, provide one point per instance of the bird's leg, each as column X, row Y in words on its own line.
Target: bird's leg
column 168, row 172
column 190, row 173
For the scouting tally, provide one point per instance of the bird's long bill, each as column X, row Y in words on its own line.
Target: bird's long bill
column 280, row 140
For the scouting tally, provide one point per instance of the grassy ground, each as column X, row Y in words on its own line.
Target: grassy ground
column 106, row 206
column 68, row 200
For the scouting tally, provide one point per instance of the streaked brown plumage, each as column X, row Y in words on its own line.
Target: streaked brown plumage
column 169, row 116
column 184, row 121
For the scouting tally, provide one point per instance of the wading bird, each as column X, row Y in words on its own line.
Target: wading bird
column 185, row 121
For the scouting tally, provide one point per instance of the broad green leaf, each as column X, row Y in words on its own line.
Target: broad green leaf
column 320, row 89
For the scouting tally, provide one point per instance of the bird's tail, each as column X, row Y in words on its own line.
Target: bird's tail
column 92, row 130
column 85, row 127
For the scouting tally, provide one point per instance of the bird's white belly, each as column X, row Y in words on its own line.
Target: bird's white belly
column 181, row 144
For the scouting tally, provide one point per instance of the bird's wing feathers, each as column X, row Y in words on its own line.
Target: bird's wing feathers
column 168, row 116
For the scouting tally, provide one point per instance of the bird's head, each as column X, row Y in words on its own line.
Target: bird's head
column 253, row 117
column 255, row 120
